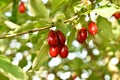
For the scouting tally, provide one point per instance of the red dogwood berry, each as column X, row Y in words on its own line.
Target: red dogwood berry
column 92, row 28
column 22, row 7
column 52, row 38
column 54, row 50
column 82, row 35
column 63, row 51
column 61, row 37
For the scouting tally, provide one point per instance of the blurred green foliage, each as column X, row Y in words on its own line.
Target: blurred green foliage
column 23, row 39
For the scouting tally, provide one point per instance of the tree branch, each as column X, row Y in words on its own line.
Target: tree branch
column 38, row 29
column 30, row 31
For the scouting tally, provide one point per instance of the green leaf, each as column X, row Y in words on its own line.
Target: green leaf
column 59, row 15
column 38, row 9
column 78, row 7
column 41, row 57
column 117, row 2
column 38, row 39
column 2, row 77
column 11, row 25
column 11, row 71
column 106, row 11
column 42, row 23
column 3, row 3
column 105, row 27
column 4, row 58
column 25, row 27
column 71, row 37
column 60, row 25
column 56, row 4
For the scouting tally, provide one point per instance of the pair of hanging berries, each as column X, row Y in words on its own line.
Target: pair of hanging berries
column 56, row 40
column 82, row 33
column 22, row 7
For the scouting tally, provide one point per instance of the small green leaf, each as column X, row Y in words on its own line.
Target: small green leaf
column 78, row 7
column 106, row 11
column 11, row 25
column 105, row 27
column 38, row 9
column 41, row 57
column 11, row 71
column 59, row 15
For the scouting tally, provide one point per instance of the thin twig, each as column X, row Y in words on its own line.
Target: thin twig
column 38, row 29
column 30, row 31
column 71, row 19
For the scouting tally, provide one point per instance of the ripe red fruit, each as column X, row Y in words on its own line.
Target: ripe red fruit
column 63, row 51
column 52, row 38
column 117, row 15
column 82, row 35
column 54, row 50
column 92, row 28
column 61, row 37
column 22, row 8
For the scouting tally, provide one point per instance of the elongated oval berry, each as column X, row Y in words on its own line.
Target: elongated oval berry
column 52, row 38
column 63, row 51
column 54, row 50
column 117, row 15
column 61, row 37
column 92, row 28
column 22, row 8
column 82, row 35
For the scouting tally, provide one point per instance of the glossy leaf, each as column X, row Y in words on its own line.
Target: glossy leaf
column 105, row 27
column 106, row 11
column 11, row 71
column 38, row 9
column 41, row 57
column 11, row 25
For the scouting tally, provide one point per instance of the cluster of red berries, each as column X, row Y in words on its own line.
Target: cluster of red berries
column 22, row 7
column 56, row 41
column 117, row 15
column 82, row 33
